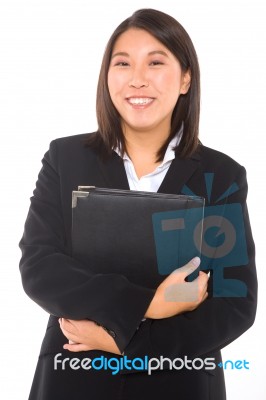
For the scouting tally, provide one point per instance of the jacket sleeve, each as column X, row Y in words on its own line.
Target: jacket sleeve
column 63, row 286
column 220, row 319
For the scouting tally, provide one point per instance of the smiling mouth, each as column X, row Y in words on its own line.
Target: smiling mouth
column 140, row 101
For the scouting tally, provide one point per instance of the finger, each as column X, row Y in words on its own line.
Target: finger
column 67, row 326
column 202, row 279
column 204, row 297
column 75, row 348
column 190, row 267
column 205, row 274
column 182, row 292
column 202, row 287
column 70, row 336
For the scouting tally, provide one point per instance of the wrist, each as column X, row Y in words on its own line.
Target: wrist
column 109, row 331
column 154, row 309
column 105, row 340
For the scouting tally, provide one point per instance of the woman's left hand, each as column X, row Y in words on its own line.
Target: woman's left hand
column 84, row 335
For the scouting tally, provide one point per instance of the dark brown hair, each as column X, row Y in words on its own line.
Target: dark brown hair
column 173, row 36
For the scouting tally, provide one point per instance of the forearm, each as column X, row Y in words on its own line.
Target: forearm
column 60, row 284
column 65, row 288
column 212, row 326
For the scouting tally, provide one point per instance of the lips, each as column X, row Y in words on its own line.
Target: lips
column 140, row 101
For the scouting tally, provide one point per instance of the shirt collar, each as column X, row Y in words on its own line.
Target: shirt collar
column 169, row 154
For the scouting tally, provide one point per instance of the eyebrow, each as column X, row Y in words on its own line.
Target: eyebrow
column 151, row 53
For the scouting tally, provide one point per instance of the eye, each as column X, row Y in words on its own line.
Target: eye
column 121, row 64
column 156, row 62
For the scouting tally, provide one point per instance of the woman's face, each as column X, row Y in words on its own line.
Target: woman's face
column 145, row 81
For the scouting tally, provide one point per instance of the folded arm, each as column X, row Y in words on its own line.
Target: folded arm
column 173, row 296
column 219, row 320
column 60, row 284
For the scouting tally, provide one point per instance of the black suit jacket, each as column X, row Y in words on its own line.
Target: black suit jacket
column 68, row 288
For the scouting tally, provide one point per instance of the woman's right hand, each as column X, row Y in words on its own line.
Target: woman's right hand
column 176, row 296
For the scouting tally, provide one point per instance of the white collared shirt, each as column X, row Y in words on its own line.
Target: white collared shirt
column 152, row 181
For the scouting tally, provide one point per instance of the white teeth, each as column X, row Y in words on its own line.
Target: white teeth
column 139, row 101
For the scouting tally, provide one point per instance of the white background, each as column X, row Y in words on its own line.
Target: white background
column 50, row 58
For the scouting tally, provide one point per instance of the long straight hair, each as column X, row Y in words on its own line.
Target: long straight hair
column 172, row 35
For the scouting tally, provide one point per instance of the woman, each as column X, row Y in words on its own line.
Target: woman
column 148, row 103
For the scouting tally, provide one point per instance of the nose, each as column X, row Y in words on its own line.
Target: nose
column 138, row 80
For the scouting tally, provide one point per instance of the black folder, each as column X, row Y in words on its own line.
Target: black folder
column 142, row 235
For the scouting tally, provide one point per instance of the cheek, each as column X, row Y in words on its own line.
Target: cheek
column 116, row 83
column 169, row 86
column 166, row 82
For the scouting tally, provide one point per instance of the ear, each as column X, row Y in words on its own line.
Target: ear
column 186, row 79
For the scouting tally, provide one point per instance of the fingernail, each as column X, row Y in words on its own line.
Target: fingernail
column 195, row 261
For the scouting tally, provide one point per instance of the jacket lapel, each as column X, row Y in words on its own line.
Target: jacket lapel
column 179, row 173
column 113, row 172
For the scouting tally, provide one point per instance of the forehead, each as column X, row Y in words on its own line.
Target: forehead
column 135, row 38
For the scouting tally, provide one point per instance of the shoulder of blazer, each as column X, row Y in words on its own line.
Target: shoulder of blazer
column 78, row 163
column 68, row 140
column 73, row 143
column 66, row 152
column 75, row 146
column 212, row 158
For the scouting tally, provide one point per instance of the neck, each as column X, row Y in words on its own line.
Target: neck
column 142, row 148
column 145, row 143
